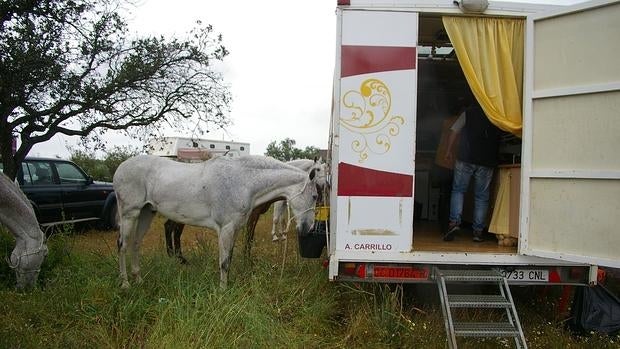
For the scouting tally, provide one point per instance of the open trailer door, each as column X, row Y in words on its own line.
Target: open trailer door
column 374, row 133
column 570, row 202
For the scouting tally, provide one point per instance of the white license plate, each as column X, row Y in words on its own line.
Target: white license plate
column 532, row 275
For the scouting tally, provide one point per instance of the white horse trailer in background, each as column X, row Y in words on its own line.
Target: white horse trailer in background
column 196, row 148
column 395, row 74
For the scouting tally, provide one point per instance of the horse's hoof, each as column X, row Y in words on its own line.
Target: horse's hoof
column 283, row 237
column 182, row 260
column 125, row 285
column 274, row 239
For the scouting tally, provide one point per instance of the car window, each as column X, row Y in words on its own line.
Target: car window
column 40, row 172
column 27, row 179
column 68, row 173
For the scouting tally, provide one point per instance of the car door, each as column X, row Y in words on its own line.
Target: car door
column 38, row 182
column 80, row 200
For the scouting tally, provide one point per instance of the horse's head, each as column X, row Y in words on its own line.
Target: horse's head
column 27, row 265
column 320, row 168
column 303, row 202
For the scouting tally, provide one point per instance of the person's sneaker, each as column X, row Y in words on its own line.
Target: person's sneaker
column 478, row 236
column 449, row 235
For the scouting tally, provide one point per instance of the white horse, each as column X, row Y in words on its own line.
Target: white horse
column 219, row 194
column 278, row 230
column 17, row 214
column 173, row 230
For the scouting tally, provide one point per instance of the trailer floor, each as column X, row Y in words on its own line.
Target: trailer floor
column 427, row 236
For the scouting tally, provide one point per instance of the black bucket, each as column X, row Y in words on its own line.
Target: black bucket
column 311, row 245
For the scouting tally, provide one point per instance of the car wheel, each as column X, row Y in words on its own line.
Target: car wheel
column 113, row 217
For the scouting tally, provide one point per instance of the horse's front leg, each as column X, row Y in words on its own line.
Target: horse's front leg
column 274, row 234
column 226, row 240
column 277, row 231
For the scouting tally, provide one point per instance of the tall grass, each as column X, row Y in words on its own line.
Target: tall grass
column 273, row 301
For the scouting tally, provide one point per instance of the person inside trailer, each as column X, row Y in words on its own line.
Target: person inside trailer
column 477, row 156
column 444, row 165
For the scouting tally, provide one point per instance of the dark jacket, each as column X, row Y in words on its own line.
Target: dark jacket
column 479, row 141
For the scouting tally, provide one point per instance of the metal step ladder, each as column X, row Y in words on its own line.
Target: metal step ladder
column 507, row 326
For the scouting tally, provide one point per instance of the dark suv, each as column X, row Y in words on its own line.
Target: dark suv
column 61, row 192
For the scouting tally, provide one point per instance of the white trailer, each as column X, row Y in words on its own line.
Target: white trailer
column 396, row 69
column 196, row 148
column 570, row 166
column 392, row 60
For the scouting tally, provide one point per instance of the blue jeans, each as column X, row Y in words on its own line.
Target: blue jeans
column 482, row 183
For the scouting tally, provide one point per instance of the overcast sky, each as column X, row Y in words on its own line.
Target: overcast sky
column 280, row 66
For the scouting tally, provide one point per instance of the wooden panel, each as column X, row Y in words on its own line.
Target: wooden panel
column 505, row 213
column 515, row 201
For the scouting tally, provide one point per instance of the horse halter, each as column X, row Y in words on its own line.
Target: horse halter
column 311, row 207
column 26, row 254
column 306, row 181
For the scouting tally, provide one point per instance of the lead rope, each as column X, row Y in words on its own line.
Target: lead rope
column 324, row 197
column 291, row 198
column 285, row 247
column 288, row 215
column 302, row 212
column 288, row 223
column 286, row 240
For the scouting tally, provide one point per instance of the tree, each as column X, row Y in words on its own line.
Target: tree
column 118, row 154
column 88, row 162
column 71, row 67
column 286, row 151
column 102, row 169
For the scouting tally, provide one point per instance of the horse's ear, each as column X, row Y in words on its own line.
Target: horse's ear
column 312, row 173
column 316, row 159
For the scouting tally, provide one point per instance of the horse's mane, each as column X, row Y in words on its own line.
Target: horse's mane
column 261, row 163
column 301, row 162
column 9, row 189
column 12, row 187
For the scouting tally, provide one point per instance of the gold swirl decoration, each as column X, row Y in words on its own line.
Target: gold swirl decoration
column 366, row 113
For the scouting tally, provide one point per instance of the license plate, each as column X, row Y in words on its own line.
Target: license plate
column 400, row 273
column 531, row 275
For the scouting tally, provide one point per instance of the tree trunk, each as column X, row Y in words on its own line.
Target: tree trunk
column 10, row 161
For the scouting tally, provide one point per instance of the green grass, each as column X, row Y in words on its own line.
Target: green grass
column 269, row 304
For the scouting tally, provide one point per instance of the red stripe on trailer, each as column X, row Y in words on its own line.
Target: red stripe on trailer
column 359, row 181
column 344, row 2
column 356, row 60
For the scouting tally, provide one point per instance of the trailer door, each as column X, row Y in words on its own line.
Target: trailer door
column 570, row 202
column 374, row 132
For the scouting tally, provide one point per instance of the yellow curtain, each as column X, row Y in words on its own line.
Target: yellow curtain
column 490, row 52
